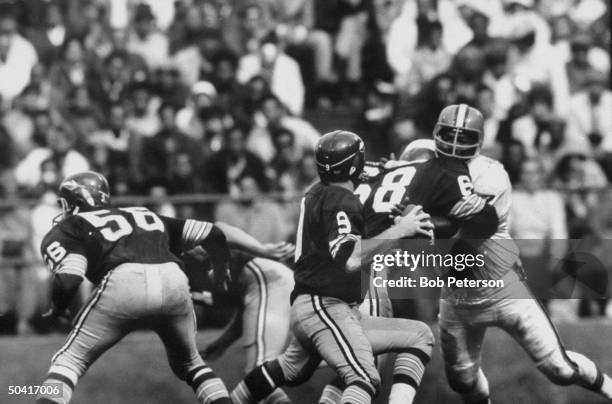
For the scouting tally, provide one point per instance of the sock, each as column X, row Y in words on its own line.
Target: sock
column 60, row 376
column 402, row 393
column 589, row 375
column 278, row 396
column 258, row 384
column 356, row 394
column 331, row 395
column 209, row 389
column 409, row 367
column 480, row 392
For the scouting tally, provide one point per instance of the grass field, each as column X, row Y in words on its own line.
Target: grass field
column 136, row 371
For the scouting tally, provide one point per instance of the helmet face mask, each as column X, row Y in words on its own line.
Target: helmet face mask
column 459, row 132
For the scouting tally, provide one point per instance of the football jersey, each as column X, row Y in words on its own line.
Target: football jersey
column 329, row 217
column 443, row 187
column 381, row 193
column 501, row 254
column 110, row 237
column 197, row 266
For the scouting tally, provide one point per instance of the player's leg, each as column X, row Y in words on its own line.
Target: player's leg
column 461, row 343
column 377, row 303
column 527, row 322
column 95, row 330
column 412, row 341
column 176, row 326
column 293, row 367
column 266, row 319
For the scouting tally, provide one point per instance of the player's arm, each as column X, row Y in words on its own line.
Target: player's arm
column 187, row 234
column 478, row 218
column 241, row 240
column 65, row 256
column 346, row 245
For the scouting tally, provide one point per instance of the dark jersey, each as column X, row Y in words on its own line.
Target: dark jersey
column 330, row 217
column 381, row 193
column 443, row 187
column 110, row 237
column 197, row 264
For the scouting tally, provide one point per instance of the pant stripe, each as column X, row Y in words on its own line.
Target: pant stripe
column 550, row 323
column 260, row 345
column 81, row 319
column 341, row 340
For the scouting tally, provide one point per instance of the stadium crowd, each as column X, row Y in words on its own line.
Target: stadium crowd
column 174, row 97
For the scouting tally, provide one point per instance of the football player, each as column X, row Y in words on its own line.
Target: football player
column 476, row 191
column 130, row 254
column 258, row 291
column 465, row 313
column 326, row 322
column 385, row 187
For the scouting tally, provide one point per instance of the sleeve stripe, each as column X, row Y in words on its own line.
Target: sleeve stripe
column 346, row 238
column 194, row 232
column 74, row 264
column 187, row 228
column 468, row 206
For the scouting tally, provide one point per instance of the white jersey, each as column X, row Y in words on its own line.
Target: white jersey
column 501, row 255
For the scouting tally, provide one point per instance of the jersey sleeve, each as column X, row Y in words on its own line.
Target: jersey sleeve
column 456, row 197
column 343, row 223
column 184, row 235
column 64, row 250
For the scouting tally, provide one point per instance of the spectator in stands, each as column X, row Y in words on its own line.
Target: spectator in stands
column 478, row 22
column 430, row 58
column 273, row 116
column 20, row 121
column 143, row 118
column 285, row 164
column 145, row 40
column 169, row 87
column 223, row 171
column 31, row 171
column 539, row 226
column 160, row 153
column 590, row 121
column 540, row 131
column 259, row 216
column 73, row 68
column 17, row 57
column 532, row 58
column 202, row 96
column 83, row 115
column 194, row 61
column 110, row 85
column 185, row 26
column 49, row 37
column 578, row 66
column 485, row 103
column 280, row 70
column 513, row 157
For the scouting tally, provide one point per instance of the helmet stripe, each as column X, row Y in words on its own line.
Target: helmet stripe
column 461, row 115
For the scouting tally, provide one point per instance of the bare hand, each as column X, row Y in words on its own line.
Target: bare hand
column 417, row 222
column 279, row 251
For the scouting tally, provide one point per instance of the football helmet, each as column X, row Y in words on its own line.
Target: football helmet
column 340, row 156
column 459, row 132
column 82, row 192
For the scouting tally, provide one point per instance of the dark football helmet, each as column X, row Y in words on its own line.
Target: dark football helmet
column 459, row 132
column 82, row 192
column 340, row 156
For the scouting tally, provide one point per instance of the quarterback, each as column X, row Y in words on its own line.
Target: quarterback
column 326, row 322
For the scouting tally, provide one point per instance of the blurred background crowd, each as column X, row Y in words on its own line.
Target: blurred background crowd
column 224, row 99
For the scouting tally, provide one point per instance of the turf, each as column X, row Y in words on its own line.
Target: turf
column 136, row 371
